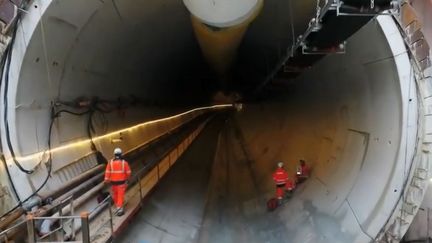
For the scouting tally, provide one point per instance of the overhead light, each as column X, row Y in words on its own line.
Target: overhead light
column 116, row 140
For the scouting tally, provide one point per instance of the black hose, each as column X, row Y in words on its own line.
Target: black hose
column 5, row 101
column 49, row 161
column 14, row 190
column 71, row 112
column 5, row 67
column 54, row 116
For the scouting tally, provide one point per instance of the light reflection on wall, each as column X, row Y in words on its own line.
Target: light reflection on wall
column 113, row 135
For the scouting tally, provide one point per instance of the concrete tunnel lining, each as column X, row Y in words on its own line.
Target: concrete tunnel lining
column 363, row 104
column 358, row 138
column 69, row 41
column 70, row 29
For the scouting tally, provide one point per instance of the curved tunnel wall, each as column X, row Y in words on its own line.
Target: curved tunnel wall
column 85, row 49
column 353, row 118
column 350, row 115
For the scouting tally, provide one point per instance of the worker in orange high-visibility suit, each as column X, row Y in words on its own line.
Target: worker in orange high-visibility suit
column 117, row 173
column 283, row 182
column 303, row 171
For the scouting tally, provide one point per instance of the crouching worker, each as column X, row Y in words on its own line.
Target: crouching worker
column 303, row 171
column 117, row 174
column 283, row 182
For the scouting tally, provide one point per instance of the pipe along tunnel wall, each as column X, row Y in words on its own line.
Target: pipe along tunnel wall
column 353, row 117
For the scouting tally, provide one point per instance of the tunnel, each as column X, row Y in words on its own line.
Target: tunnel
column 90, row 75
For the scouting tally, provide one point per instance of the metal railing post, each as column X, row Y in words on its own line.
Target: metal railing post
column 85, row 227
column 111, row 217
column 61, row 223
column 30, row 229
column 140, row 189
column 4, row 238
column 72, row 212
column 427, row 223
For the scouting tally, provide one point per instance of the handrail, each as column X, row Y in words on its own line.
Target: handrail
column 153, row 163
column 5, row 232
column 139, row 175
column 105, row 203
column 101, row 204
column 159, row 137
column 182, row 135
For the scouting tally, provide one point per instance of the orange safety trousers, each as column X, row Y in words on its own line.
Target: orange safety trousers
column 283, row 182
column 118, row 172
column 118, row 193
column 281, row 188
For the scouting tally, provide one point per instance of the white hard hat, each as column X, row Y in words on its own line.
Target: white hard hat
column 117, row 151
column 280, row 164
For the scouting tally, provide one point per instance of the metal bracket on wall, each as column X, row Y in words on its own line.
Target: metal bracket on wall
column 315, row 25
column 413, row 36
column 312, row 50
column 373, row 9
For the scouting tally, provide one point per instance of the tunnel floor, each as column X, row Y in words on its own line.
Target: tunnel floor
column 174, row 212
column 214, row 194
column 210, row 195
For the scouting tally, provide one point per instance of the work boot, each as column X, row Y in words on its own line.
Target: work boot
column 120, row 212
column 280, row 201
column 288, row 193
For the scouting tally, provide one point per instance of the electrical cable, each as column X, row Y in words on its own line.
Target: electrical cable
column 90, row 128
column 6, row 56
column 71, row 112
column 5, row 101
column 3, row 159
column 5, row 68
column 5, row 64
column 49, row 162
column 54, row 116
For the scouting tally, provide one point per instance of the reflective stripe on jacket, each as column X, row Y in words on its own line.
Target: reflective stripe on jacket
column 117, row 170
column 280, row 176
column 303, row 170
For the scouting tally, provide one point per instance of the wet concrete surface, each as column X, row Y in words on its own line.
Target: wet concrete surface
column 236, row 208
column 214, row 194
column 174, row 212
column 208, row 196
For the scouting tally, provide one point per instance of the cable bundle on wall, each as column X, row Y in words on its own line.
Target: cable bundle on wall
column 5, row 65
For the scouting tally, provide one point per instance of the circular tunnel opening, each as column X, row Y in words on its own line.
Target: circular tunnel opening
column 353, row 117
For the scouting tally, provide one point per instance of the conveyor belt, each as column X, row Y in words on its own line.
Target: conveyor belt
column 327, row 34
